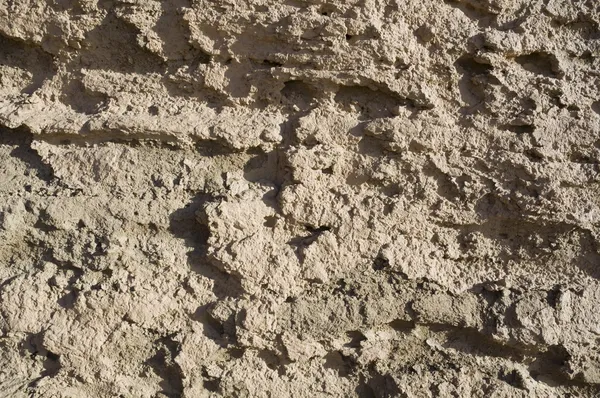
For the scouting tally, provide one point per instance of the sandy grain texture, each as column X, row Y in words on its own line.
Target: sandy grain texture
column 299, row 198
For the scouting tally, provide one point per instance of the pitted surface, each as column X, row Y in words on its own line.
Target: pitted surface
column 297, row 198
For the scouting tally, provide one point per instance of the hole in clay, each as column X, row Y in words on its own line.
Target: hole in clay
column 211, row 384
column 344, row 289
column 400, row 325
column 512, row 378
column 380, row 264
column 553, row 296
column 153, row 110
column 83, row 100
column 521, row 129
column 270, row 221
column 236, row 352
column 272, row 64
column 337, row 361
column 327, row 10
column 298, row 93
column 371, row 102
column 467, row 64
column 582, row 158
column 534, row 155
column 540, row 63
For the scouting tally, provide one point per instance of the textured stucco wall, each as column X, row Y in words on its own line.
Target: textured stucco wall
column 299, row 198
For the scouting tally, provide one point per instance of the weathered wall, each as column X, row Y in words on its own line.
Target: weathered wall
column 299, row 198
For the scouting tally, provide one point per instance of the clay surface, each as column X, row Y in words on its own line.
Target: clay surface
column 299, row 198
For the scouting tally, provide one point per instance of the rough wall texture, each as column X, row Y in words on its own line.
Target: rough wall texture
column 299, row 198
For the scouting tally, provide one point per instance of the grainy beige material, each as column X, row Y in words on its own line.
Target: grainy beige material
column 288, row 198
